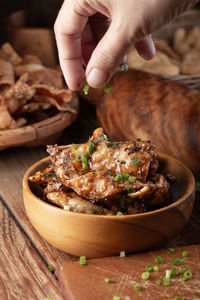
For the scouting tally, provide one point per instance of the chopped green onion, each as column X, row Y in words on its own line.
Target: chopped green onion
column 187, row 275
column 184, row 269
column 149, row 268
column 77, row 157
column 109, row 173
column 171, row 251
column 174, row 272
column 176, row 261
column 124, row 67
column 84, row 161
column 125, row 176
column 156, row 269
column 135, row 160
column 158, row 282
column 51, row 268
column 130, row 189
column 137, row 286
column 183, row 259
column 116, row 298
column 107, row 89
column 112, row 144
column 123, row 201
column 158, row 260
column 118, row 176
column 51, row 179
column 86, row 87
column 127, row 298
column 83, row 260
column 90, row 148
column 145, row 275
column 119, row 213
column 166, row 281
column 179, row 298
column 107, row 280
column 47, row 299
column 139, row 139
column 168, row 274
column 122, row 162
column 184, row 254
column 51, row 174
column 75, row 147
column 66, row 207
column 131, row 179
column 122, row 253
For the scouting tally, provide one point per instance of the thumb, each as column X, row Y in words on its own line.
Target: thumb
column 110, row 52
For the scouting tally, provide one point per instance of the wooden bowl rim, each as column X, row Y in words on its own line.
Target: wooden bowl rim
column 190, row 189
column 30, row 126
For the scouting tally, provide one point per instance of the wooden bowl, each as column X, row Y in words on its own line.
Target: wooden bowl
column 97, row 235
column 40, row 133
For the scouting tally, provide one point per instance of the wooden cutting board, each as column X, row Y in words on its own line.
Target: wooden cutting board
column 86, row 282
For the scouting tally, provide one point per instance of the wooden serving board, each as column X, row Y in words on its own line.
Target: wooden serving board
column 87, row 282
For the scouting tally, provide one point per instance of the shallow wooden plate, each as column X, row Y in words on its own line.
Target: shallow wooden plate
column 40, row 133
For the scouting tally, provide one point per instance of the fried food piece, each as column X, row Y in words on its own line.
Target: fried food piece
column 31, row 59
column 76, row 203
column 7, row 77
column 6, row 120
column 18, row 94
column 110, row 168
column 38, row 74
column 8, row 53
column 159, row 64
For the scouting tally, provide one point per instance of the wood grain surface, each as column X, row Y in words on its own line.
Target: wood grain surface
column 125, row 272
column 13, row 164
column 23, row 274
column 143, row 105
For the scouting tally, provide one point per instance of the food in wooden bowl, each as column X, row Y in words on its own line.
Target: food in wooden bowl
column 34, row 105
column 101, row 197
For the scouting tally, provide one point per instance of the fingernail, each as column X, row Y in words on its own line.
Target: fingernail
column 97, row 77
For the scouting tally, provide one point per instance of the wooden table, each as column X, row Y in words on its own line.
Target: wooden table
column 24, row 255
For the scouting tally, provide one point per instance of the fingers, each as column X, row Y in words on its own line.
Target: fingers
column 68, row 27
column 146, row 48
column 108, row 54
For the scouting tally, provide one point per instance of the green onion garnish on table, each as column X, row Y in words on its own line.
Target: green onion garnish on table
column 156, row 269
column 187, row 275
column 107, row 280
column 174, row 272
column 158, row 282
column 179, row 298
column 122, row 253
column 127, row 298
column 176, row 261
column 158, row 260
column 116, row 298
column 137, row 286
column 166, row 281
column 84, row 161
column 119, row 213
column 149, row 268
column 124, row 67
column 145, row 275
column 83, row 260
column 131, row 179
column 171, row 251
column 184, row 254
column 51, row 268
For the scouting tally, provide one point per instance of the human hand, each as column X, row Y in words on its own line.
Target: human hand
column 85, row 35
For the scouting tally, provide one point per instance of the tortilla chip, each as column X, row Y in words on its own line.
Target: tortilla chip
column 7, row 77
column 39, row 74
column 57, row 97
column 8, row 53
